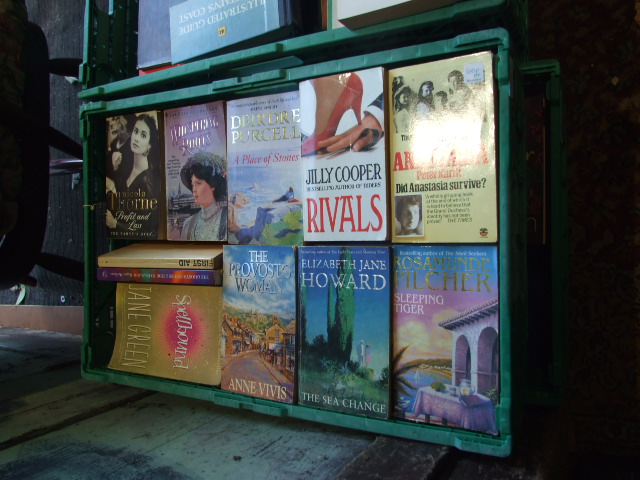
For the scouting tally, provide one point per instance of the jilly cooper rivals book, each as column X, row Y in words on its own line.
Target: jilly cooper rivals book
column 344, row 314
column 259, row 321
column 442, row 151
column 344, row 157
column 446, row 335
column 169, row 331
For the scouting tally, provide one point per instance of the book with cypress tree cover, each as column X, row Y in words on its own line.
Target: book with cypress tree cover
column 344, row 316
column 169, row 331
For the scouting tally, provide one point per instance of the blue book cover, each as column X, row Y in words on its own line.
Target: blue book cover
column 446, row 336
column 344, row 315
column 199, row 27
column 259, row 321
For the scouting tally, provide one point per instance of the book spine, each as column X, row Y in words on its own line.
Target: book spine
column 160, row 275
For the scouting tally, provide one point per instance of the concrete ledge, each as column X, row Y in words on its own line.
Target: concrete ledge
column 43, row 317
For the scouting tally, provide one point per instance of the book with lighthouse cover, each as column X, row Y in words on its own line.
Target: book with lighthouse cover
column 259, row 321
column 344, row 315
column 265, row 178
column 446, row 335
column 443, row 152
column 196, row 172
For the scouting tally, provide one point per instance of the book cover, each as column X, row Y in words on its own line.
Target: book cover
column 171, row 255
column 265, row 170
column 442, row 151
column 446, row 345
column 344, row 157
column 196, row 172
column 169, row 331
column 160, row 275
column 200, row 27
column 345, row 320
column 259, row 321
column 154, row 39
column 134, row 177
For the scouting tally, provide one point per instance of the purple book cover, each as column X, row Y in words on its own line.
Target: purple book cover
column 446, row 347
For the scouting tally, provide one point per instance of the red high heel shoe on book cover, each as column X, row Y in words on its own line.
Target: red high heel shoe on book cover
column 350, row 99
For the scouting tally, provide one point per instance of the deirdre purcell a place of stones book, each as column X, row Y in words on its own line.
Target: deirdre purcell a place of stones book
column 169, row 331
column 135, row 177
column 446, row 335
column 259, row 321
column 344, row 295
column 265, row 176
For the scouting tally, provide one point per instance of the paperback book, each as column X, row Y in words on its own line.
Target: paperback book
column 265, row 171
column 167, row 255
column 160, row 275
column 169, row 331
column 442, row 151
column 344, row 157
column 344, row 314
column 134, row 177
column 446, row 335
column 259, row 321
column 196, row 172
column 154, row 39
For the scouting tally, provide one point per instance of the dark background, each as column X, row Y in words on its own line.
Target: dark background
column 598, row 46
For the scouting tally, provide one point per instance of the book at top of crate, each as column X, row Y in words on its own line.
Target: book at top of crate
column 187, row 276
column 154, row 38
column 265, row 176
column 344, row 316
column 200, row 27
column 443, row 152
column 259, row 321
column 344, row 157
column 134, row 177
column 192, row 255
column 446, row 335
column 196, row 172
column 169, row 331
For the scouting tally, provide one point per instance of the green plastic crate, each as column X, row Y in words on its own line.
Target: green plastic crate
column 109, row 68
column 547, row 252
column 99, row 328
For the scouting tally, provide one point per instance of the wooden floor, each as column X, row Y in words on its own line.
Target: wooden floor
column 56, row 425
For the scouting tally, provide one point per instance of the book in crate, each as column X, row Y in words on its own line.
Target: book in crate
column 443, row 152
column 259, row 321
column 344, row 315
column 446, row 328
column 265, row 176
column 196, row 172
column 344, row 157
column 134, row 177
column 168, row 331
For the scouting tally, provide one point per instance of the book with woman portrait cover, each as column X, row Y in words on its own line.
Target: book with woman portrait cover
column 345, row 323
column 344, row 157
column 446, row 335
column 442, row 151
column 169, row 331
column 196, row 172
column 134, row 177
column 265, row 176
column 259, row 321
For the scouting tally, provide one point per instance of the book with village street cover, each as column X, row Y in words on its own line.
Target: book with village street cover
column 265, row 171
column 167, row 255
column 134, row 177
column 196, row 172
column 446, row 335
column 443, row 152
column 259, row 321
column 344, row 315
column 344, row 157
column 169, row 331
